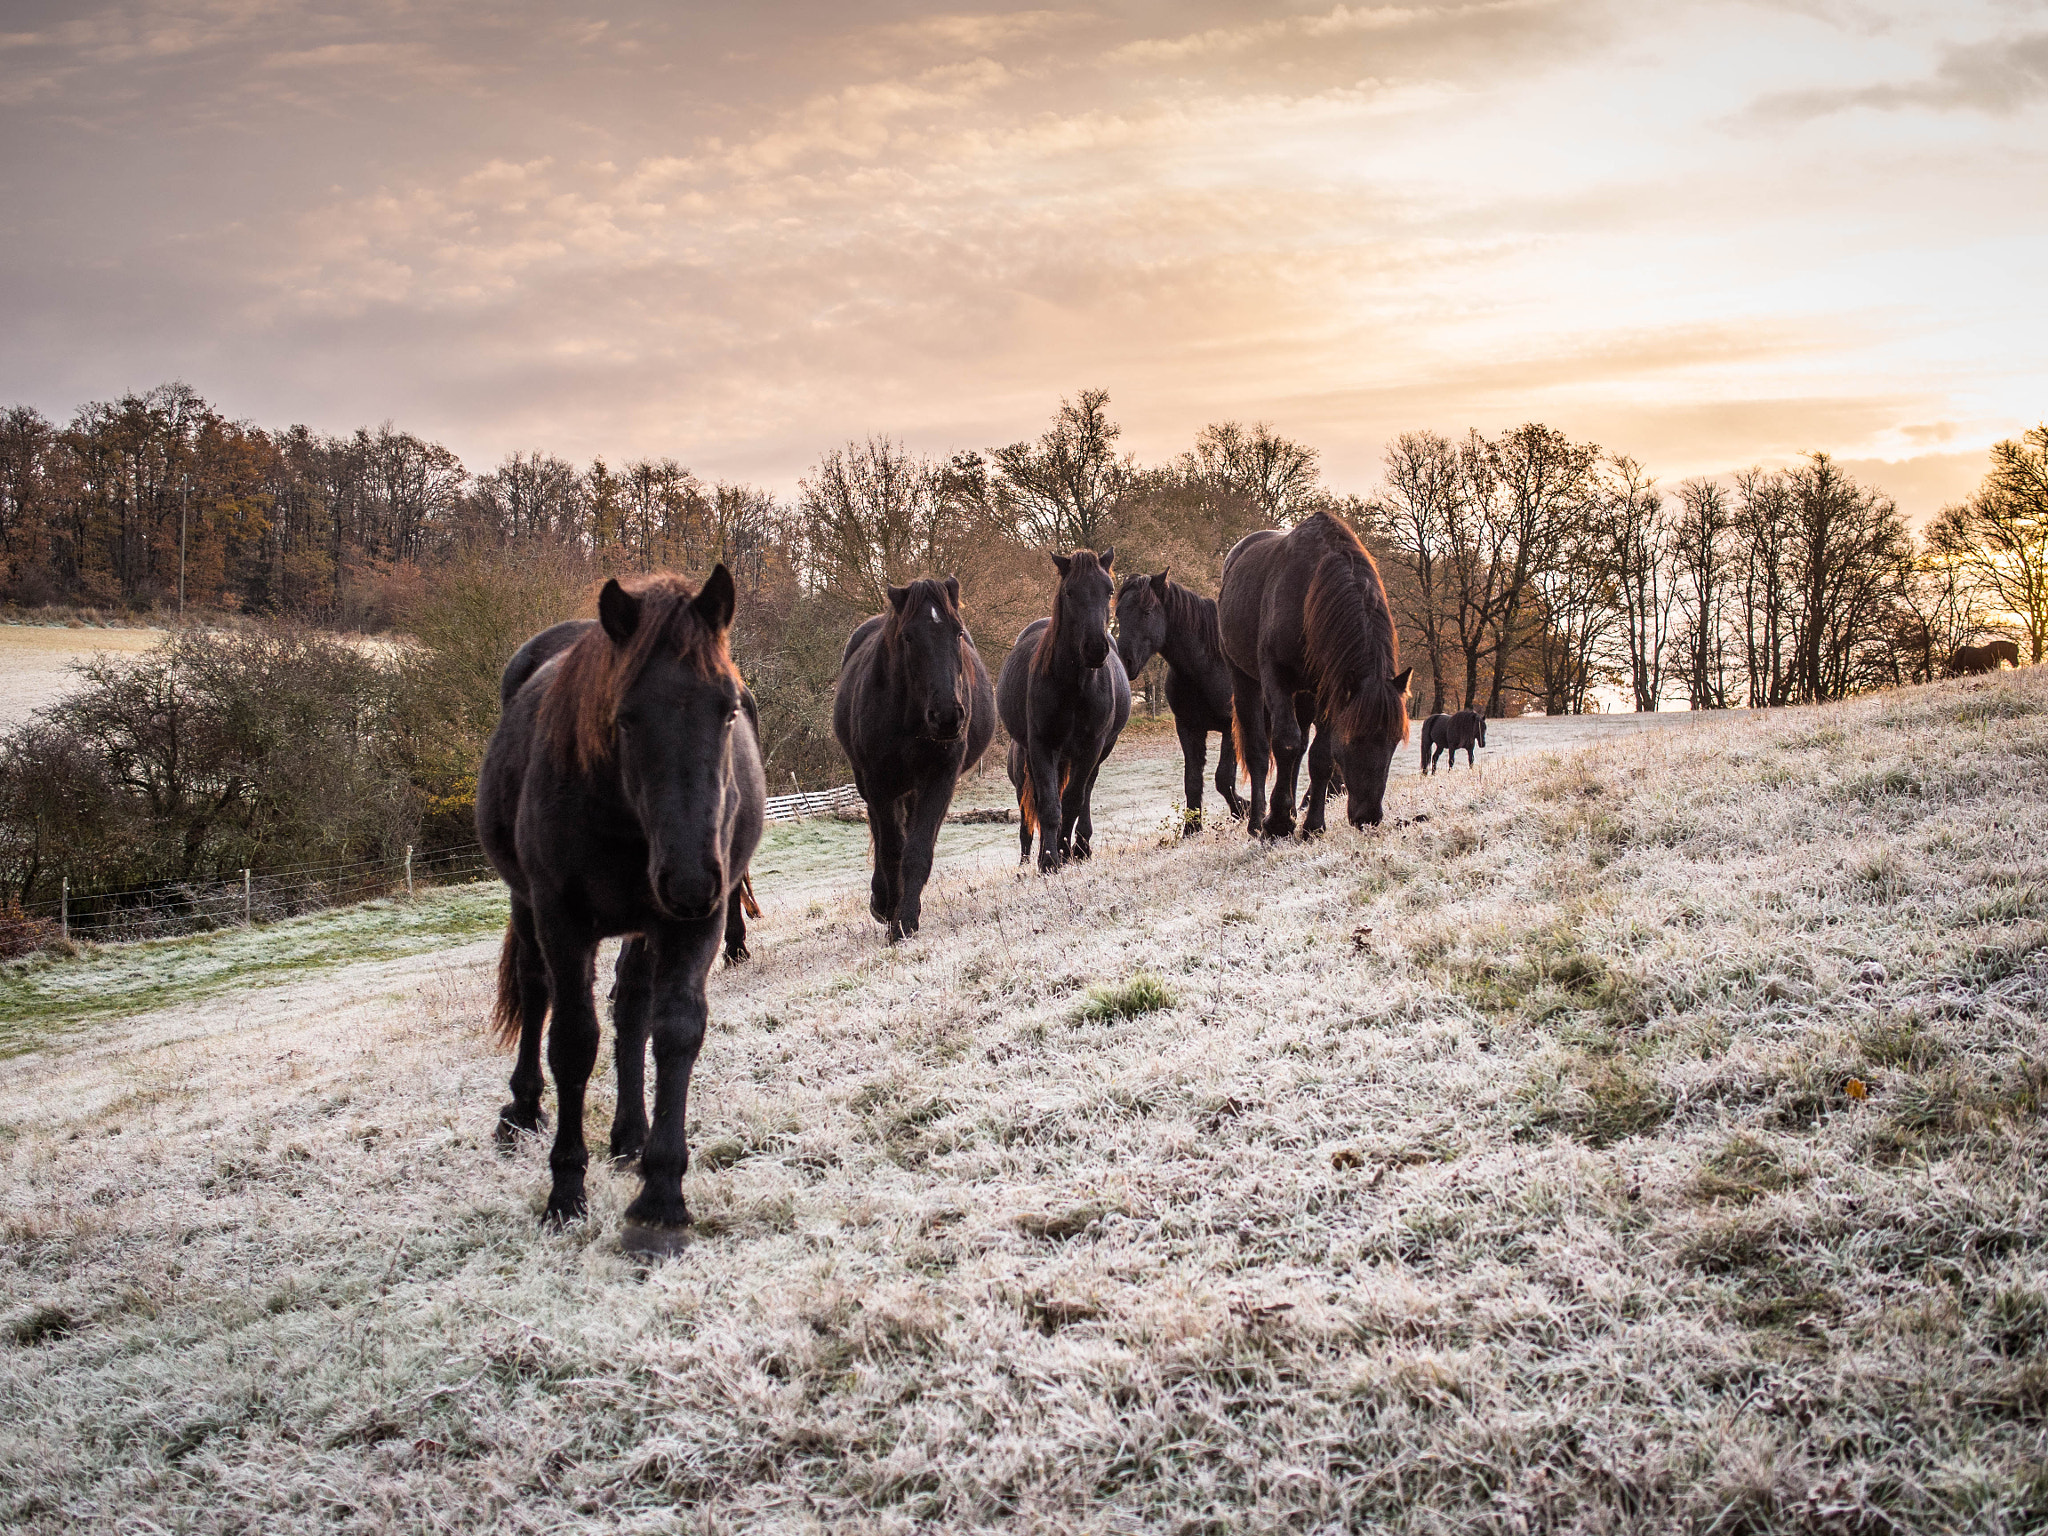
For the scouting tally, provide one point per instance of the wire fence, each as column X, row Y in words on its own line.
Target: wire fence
column 246, row 897
column 196, row 906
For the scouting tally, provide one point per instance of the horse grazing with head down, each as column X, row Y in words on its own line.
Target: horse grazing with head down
column 1064, row 699
column 913, row 712
column 1158, row 617
column 1970, row 660
column 621, row 795
column 1310, row 639
column 1449, row 733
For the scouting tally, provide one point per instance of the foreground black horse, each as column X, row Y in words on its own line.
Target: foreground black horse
column 1310, row 638
column 621, row 794
column 1064, row 698
column 913, row 712
column 1155, row 616
column 1450, row 733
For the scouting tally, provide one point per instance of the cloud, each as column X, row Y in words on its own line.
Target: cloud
column 1999, row 77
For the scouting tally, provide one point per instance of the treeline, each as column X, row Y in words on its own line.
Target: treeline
column 1528, row 570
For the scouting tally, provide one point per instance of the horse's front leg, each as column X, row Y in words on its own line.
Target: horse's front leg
column 682, row 956
column 1082, row 817
column 525, row 974
column 1194, row 758
column 1248, row 717
column 632, row 991
column 885, row 821
column 572, row 1052
column 920, row 842
column 1053, row 828
column 1321, row 756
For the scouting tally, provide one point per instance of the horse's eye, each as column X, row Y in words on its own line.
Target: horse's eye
column 627, row 722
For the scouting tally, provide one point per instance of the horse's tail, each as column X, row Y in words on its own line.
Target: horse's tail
column 506, row 1016
column 747, row 903
column 1027, row 806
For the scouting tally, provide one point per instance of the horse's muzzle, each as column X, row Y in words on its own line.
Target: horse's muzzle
column 690, row 898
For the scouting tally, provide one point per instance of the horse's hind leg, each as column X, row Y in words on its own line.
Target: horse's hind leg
column 572, row 1052
column 736, row 921
column 1082, row 819
column 1248, row 722
column 1291, row 717
column 1027, row 819
column 529, row 980
column 632, row 994
column 1226, row 772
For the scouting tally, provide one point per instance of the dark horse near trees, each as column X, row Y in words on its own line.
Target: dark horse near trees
column 621, row 795
column 1448, row 733
column 1064, row 699
column 1310, row 638
column 1155, row 616
column 913, row 712
column 1969, row 660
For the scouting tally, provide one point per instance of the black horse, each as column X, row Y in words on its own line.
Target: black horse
column 1310, row 638
column 1155, row 616
column 1448, row 733
column 621, row 794
column 1064, row 699
column 913, row 712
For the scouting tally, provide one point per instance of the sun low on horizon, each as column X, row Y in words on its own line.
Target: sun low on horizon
column 1706, row 235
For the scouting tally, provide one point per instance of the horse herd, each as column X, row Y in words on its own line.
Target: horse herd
column 622, row 792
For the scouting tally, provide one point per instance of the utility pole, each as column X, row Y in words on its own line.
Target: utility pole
column 184, row 508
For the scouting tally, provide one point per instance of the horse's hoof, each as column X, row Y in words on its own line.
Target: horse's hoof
column 651, row 1242
column 564, row 1209
column 738, row 953
column 515, row 1118
column 626, row 1154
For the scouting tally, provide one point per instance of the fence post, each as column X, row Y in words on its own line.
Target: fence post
column 64, row 909
column 408, row 871
column 245, row 899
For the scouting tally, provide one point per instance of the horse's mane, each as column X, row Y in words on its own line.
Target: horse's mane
column 591, row 676
column 1048, row 643
column 1348, row 631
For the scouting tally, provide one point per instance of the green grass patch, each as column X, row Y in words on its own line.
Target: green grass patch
column 43, row 993
column 1143, row 993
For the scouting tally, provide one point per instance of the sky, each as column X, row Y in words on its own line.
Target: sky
column 1704, row 234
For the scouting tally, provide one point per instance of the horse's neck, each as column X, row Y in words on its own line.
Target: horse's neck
column 1193, row 641
column 1061, row 643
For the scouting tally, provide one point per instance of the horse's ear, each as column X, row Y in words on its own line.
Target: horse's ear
column 953, row 591
column 1401, row 682
column 618, row 611
column 714, row 600
column 1159, row 586
column 898, row 596
column 1108, row 557
column 1064, row 564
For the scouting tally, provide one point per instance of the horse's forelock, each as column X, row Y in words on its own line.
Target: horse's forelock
column 582, row 701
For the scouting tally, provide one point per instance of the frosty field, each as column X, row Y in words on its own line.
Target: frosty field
column 1648, row 1140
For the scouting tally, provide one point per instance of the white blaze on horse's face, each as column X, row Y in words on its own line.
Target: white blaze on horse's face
column 935, row 613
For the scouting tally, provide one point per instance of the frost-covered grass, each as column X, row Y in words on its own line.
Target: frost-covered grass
column 1649, row 1140
column 44, row 991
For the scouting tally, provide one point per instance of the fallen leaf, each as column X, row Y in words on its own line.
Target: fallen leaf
column 1358, row 938
column 1856, row 1088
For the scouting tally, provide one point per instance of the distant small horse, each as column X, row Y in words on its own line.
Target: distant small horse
column 1448, row 733
column 913, row 712
column 1064, row 698
column 622, row 793
column 1155, row 616
column 1311, row 639
column 1969, row 660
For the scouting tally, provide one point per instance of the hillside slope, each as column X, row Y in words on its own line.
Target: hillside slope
column 1647, row 1140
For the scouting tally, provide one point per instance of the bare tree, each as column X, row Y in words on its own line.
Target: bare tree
column 1704, row 568
column 1417, row 513
column 532, row 496
column 1998, row 539
column 1277, row 475
column 876, row 515
column 1644, row 576
column 1576, row 612
column 1541, row 486
column 1064, row 491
